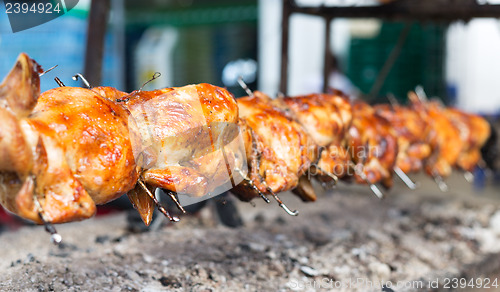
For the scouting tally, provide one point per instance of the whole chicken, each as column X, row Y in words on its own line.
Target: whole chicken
column 443, row 137
column 474, row 132
column 411, row 131
column 372, row 145
column 326, row 118
column 280, row 150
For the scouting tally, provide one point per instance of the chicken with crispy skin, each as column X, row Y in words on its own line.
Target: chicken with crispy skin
column 372, row 145
column 443, row 137
column 34, row 171
column 68, row 149
column 474, row 132
column 280, row 150
column 326, row 118
column 189, row 140
column 411, row 131
column 182, row 145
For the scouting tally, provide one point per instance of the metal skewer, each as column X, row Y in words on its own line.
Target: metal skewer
column 329, row 174
column 155, row 76
column 55, row 237
column 59, row 82
column 47, row 71
column 244, row 86
column 85, row 82
column 440, row 182
column 405, row 178
column 376, row 191
column 373, row 187
column 252, row 184
column 158, row 204
column 280, row 202
column 392, row 100
column 174, row 198
column 469, row 176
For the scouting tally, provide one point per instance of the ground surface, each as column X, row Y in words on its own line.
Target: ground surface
column 345, row 239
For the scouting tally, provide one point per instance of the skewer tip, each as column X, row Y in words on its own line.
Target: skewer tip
column 405, row 178
column 56, row 238
column 469, row 176
column 288, row 211
column 377, row 191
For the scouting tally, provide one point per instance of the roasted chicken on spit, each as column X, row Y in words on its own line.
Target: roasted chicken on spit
column 443, row 137
column 326, row 119
column 192, row 145
column 456, row 138
column 373, row 145
column 74, row 148
column 68, row 149
column 280, row 151
column 411, row 131
column 474, row 132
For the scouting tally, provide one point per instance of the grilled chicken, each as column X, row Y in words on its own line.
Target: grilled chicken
column 443, row 137
column 34, row 171
column 326, row 118
column 411, row 131
column 372, row 145
column 281, row 151
column 474, row 132
column 185, row 146
column 68, row 149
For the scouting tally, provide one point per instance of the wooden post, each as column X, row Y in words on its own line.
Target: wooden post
column 285, row 22
column 327, row 66
column 96, row 30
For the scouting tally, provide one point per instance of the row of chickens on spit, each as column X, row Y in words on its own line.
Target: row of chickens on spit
column 67, row 149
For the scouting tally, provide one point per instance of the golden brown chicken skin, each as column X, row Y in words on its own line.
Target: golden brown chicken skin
column 96, row 139
column 372, row 145
column 443, row 137
column 411, row 131
column 474, row 132
column 282, row 150
column 184, row 136
column 34, row 173
column 326, row 118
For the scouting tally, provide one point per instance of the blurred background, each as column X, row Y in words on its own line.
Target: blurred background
column 454, row 57
column 193, row 41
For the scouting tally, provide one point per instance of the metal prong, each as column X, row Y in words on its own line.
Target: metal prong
column 259, row 192
column 155, row 76
column 157, row 203
column 280, row 202
column 440, row 182
column 47, row 71
column 373, row 187
column 392, row 100
column 78, row 75
column 282, row 205
column 469, row 176
column 329, row 174
column 376, row 191
column 244, row 86
column 55, row 237
column 174, row 198
column 252, row 184
column 405, row 178
column 59, row 82
column 419, row 91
